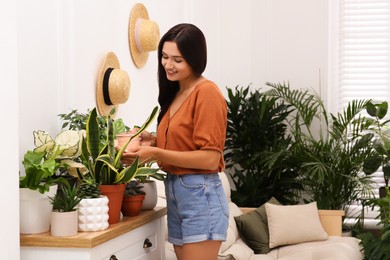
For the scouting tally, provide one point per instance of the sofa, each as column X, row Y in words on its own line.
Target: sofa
column 274, row 231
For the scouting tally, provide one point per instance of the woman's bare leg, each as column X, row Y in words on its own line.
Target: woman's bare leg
column 205, row 250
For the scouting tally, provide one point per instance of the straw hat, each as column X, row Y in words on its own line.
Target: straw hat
column 144, row 35
column 113, row 85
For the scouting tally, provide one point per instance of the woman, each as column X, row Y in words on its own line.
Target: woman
column 190, row 140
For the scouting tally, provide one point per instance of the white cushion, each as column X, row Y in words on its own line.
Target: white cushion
column 232, row 232
column 293, row 224
column 334, row 248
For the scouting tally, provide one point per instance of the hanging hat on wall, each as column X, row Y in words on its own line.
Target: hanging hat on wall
column 144, row 35
column 113, row 85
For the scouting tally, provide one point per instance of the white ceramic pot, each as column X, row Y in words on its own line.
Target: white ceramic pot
column 93, row 214
column 150, row 190
column 35, row 209
column 63, row 224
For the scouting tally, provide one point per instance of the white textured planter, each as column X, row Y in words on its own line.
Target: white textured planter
column 63, row 224
column 150, row 190
column 35, row 209
column 93, row 214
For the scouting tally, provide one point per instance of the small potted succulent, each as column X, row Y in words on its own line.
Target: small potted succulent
column 93, row 208
column 132, row 199
column 64, row 215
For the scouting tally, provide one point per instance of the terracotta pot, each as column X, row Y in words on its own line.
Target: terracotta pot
column 124, row 137
column 63, row 224
column 131, row 205
column 114, row 194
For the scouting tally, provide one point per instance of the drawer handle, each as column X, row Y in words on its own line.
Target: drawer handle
column 147, row 243
column 113, row 257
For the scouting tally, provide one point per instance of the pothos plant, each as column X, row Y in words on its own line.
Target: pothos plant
column 104, row 164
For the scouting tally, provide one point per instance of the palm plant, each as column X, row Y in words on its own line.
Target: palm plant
column 329, row 149
column 256, row 132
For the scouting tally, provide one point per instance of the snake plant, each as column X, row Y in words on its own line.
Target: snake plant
column 104, row 164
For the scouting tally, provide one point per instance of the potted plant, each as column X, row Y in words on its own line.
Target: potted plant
column 133, row 198
column 329, row 149
column 381, row 143
column 93, row 207
column 34, row 188
column 257, row 131
column 64, row 215
column 376, row 247
column 104, row 163
column 149, row 186
column 67, row 147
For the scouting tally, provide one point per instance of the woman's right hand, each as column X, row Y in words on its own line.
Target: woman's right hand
column 148, row 139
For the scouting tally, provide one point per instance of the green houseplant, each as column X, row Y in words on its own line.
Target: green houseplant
column 67, row 148
column 377, row 247
column 34, row 188
column 381, row 142
column 104, row 163
column 64, row 214
column 257, row 149
column 93, row 207
column 133, row 198
column 329, row 149
column 39, row 180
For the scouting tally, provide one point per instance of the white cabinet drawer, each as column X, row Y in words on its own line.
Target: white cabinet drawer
column 130, row 246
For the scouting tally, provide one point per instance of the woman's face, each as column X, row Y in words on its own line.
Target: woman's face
column 175, row 66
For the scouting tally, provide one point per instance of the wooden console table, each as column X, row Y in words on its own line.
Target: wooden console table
column 134, row 237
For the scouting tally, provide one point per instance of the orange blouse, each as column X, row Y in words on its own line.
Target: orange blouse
column 199, row 124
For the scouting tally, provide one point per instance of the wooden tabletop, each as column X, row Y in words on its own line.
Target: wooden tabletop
column 92, row 239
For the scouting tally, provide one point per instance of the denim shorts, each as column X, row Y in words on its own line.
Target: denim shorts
column 197, row 208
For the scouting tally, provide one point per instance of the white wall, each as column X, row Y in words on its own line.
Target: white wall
column 61, row 45
column 9, row 192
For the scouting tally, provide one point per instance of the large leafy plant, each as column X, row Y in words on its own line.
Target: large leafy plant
column 381, row 142
column 104, row 164
column 257, row 149
column 66, row 145
column 39, row 171
column 377, row 247
column 329, row 149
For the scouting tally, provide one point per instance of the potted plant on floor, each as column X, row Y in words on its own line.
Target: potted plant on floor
column 257, row 131
column 329, row 149
column 381, row 143
column 133, row 198
column 104, row 164
column 64, row 215
column 376, row 247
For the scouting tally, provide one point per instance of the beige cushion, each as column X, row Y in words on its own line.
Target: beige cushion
column 289, row 225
